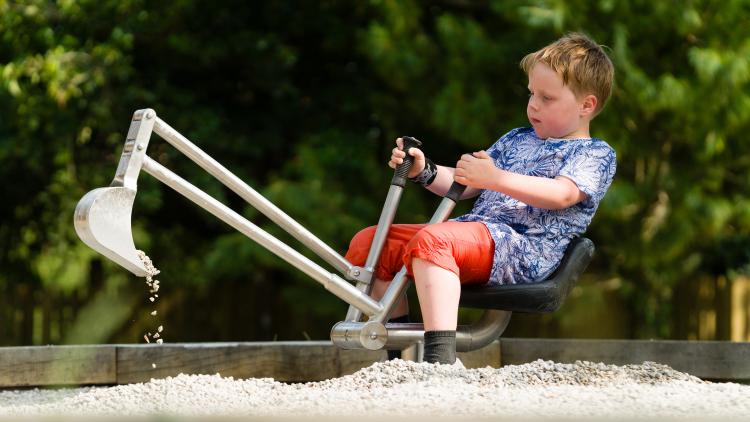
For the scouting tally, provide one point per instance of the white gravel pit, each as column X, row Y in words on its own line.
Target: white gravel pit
column 537, row 390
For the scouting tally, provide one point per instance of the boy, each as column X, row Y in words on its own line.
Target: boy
column 538, row 188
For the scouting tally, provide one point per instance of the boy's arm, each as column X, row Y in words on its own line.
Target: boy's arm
column 478, row 171
column 443, row 181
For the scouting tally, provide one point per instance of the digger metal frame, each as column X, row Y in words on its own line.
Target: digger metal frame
column 103, row 221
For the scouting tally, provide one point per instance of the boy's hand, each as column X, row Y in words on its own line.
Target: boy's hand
column 397, row 157
column 476, row 170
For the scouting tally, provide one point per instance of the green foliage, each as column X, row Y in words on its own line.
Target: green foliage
column 303, row 100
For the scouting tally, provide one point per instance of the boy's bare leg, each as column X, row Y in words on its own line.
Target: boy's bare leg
column 378, row 290
column 439, row 291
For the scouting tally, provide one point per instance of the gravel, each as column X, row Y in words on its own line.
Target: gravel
column 153, row 287
column 540, row 389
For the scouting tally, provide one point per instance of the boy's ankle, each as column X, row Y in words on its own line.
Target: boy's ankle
column 440, row 347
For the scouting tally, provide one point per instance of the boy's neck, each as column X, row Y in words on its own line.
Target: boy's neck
column 581, row 132
column 578, row 135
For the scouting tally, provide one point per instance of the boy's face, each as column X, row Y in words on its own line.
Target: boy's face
column 553, row 109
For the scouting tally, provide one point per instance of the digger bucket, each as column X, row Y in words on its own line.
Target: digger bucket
column 102, row 221
column 102, row 216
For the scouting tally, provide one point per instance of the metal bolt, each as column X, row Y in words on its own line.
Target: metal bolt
column 373, row 336
column 355, row 272
column 149, row 114
column 140, row 147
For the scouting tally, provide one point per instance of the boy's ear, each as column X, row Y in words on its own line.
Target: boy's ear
column 588, row 105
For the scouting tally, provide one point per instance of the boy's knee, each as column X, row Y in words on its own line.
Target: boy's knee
column 426, row 244
column 359, row 246
column 425, row 238
column 363, row 238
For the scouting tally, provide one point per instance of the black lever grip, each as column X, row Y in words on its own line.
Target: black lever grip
column 402, row 170
column 455, row 192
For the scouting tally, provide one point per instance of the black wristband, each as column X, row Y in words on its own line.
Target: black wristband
column 428, row 174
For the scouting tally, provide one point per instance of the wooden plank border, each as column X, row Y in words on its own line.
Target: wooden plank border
column 29, row 366
column 284, row 361
column 318, row 360
column 301, row 361
column 719, row 360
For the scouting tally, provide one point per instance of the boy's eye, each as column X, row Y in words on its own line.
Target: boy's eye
column 544, row 97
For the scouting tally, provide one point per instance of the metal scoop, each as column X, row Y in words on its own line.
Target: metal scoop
column 102, row 221
column 102, row 216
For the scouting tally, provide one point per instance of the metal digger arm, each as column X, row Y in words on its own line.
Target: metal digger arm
column 103, row 216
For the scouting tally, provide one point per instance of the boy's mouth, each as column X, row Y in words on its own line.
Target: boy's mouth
column 535, row 121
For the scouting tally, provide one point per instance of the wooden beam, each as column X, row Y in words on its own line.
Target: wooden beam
column 57, row 365
column 489, row 355
column 724, row 360
column 283, row 361
column 318, row 360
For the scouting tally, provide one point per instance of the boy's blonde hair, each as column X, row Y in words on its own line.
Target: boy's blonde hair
column 582, row 64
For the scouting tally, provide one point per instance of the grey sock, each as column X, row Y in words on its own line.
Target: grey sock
column 396, row 354
column 440, row 347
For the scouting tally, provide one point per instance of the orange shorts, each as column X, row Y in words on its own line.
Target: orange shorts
column 465, row 248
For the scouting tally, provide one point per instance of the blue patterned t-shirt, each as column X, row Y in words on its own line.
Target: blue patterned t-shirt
column 531, row 241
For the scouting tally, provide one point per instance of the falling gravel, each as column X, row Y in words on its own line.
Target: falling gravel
column 540, row 389
column 153, row 289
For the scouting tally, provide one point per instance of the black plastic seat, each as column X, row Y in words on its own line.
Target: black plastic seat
column 542, row 297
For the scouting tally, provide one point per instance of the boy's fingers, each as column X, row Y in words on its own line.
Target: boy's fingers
column 467, row 157
column 400, row 143
column 481, row 154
